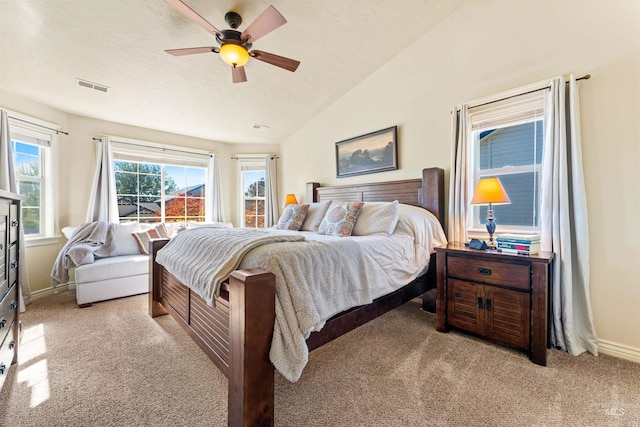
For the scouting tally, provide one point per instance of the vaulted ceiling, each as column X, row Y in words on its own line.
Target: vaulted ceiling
column 46, row 45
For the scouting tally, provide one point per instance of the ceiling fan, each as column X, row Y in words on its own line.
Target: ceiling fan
column 235, row 46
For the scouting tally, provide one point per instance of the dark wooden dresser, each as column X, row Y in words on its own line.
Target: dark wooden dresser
column 500, row 297
column 9, row 312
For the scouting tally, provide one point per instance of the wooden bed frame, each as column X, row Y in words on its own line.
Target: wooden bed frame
column 236, row 334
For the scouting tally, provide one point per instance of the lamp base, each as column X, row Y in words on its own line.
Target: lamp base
column 491, row 228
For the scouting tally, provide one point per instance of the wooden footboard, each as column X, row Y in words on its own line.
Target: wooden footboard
column 235, row 334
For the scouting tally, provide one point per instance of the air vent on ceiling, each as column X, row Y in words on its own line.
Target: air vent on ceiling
column 260, row 127
column 91, row 85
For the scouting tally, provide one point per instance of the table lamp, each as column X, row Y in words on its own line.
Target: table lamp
column 290, row 199
column 489, row 191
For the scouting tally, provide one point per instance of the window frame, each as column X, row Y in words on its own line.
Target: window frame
column 142, row 152
column 506, row 113
column 34, row 132
column 256, row 162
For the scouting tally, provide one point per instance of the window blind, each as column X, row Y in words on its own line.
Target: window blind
column 166, row 155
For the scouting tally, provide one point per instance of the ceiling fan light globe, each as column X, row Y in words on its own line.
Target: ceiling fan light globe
column 234, row 55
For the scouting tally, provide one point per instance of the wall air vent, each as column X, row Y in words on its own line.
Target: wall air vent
column 91, row 85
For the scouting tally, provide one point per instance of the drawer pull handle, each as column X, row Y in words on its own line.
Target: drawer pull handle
column 3, row 323
column 13, row 264
column 13, row 305
column 1, row 246
column 484, row 271
column 488, row 305
column 12, row 344
column 14, row 223
column 3, row 369
column 480, row 303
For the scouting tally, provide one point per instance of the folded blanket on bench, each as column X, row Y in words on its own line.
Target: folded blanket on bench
column 88, row 241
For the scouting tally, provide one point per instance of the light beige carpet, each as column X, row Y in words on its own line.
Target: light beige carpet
column 112, row 365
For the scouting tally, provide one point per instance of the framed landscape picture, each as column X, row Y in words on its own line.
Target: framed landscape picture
column 370, row 153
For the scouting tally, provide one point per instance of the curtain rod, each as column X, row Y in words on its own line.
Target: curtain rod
column 254, row 157
column 585, row 77
column 133, row 144
column 39, row 125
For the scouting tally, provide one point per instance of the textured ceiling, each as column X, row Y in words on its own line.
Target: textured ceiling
column 46, row 44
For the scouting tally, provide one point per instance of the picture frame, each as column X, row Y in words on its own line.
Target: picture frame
column 371, row 153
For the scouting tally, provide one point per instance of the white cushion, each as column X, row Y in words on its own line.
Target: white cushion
column 125, row 243
column 113, row 267
column 314, row 215
column 377, row 218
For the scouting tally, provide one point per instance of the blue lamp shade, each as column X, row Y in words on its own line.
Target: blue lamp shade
column 489, row 191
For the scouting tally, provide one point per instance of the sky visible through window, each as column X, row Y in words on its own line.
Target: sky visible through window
column 185, row 177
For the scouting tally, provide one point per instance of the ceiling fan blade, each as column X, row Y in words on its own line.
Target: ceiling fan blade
column 193, row 15
column 268, row 21
column 191, row 50
column 278, row 61
column 238, row 74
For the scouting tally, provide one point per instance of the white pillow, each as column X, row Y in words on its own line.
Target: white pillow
column 125, row 244
column 214, row 224
column 377, row 218
column 314, row 215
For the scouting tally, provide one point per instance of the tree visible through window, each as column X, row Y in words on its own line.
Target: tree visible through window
column 153, row 192
column 28, row 161
column 253, row 183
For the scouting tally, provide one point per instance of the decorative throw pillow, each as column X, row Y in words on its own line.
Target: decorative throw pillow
column 292, row 217
column 340, row 219
column 143, row 237
column 377, row 218
column 315, row 215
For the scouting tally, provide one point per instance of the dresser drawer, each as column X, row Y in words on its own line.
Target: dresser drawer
column 13, row 223
column 491, row 272
column 7, row 351
column 8, row 311
column 13, row 264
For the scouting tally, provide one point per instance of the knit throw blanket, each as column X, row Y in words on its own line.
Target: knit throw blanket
column 89, row 240
column 204, row 257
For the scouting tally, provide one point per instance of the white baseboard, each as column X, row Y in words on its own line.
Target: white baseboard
column 619, row 350
column 50, row 291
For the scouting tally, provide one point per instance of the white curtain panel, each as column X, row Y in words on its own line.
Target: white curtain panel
column 458, row 179
column 271, row 191
column 8, row 183
column 563, row 221
column 103, row 201
column 214, row 207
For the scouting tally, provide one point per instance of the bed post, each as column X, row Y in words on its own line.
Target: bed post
column 155, row 279
column 251, row 374
column 312, row 194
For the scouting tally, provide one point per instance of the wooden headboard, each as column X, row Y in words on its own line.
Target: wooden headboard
column 427, row 192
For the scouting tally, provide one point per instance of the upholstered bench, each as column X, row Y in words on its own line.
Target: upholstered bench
column 126, row 271
column 112, row 277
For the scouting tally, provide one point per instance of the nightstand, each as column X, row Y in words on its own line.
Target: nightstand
column 500, row 297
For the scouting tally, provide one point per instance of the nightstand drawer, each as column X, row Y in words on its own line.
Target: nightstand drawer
column 492, row 272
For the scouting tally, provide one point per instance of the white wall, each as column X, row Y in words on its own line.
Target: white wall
column 489, row 47
column 76, row 165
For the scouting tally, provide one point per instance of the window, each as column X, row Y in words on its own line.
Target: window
column 506, row 141
column 252, row 183
column 154, row 186
column 31, row 147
